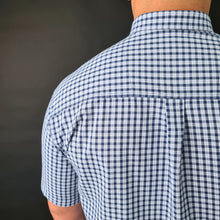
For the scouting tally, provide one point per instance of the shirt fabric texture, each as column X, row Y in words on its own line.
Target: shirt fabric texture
column 134, row 133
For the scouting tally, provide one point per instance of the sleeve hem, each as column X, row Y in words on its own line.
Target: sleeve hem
column 60, row 202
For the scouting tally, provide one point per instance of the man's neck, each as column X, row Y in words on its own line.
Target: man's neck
column 144, row 6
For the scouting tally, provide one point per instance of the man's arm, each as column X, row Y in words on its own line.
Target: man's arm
column 66, row 213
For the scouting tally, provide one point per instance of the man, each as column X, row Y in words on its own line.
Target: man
column 134, row 132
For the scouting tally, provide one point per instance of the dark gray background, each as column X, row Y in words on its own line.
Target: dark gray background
column 41, row 42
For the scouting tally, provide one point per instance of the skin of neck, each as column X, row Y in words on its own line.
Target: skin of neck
column 140, row 7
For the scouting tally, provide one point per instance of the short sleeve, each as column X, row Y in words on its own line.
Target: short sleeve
column 59, row 181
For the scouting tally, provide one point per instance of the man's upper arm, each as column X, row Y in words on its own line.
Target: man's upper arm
column 66, row 213
column 59, row 181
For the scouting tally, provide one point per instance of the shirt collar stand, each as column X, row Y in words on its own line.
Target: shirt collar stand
column 172, row 19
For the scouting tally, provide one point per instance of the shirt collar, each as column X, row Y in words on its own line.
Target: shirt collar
column 172, row 19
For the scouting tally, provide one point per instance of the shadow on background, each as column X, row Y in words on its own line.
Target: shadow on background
column 41, row 42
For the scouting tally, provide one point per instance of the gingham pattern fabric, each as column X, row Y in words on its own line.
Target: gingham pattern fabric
column 134, row 133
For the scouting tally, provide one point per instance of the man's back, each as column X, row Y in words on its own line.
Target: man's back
column 134, row 133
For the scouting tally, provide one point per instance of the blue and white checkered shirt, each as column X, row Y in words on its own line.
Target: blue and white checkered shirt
column 134, row 133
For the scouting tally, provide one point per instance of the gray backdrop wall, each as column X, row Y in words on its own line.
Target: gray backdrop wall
column 41, row 42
